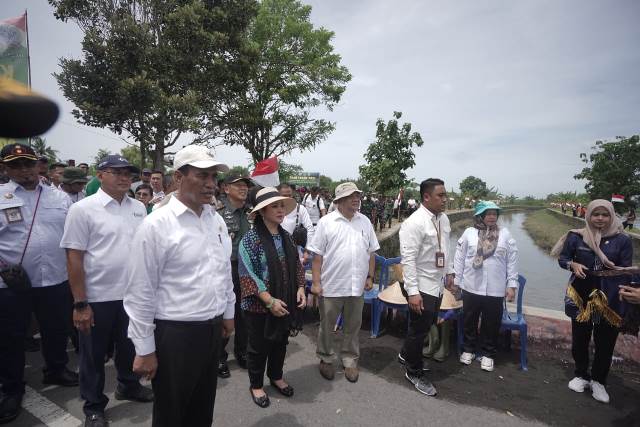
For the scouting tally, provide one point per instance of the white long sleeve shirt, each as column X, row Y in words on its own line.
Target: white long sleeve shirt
column 418, row 247
column 498, row 272
column 179, row 269
column 289, row 222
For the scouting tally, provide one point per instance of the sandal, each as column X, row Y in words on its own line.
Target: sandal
column 262, row 401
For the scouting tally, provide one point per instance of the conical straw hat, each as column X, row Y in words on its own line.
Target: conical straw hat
column 449, row 301
column 392, row 294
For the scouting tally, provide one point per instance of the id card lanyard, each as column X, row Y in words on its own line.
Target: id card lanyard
column 439, row 254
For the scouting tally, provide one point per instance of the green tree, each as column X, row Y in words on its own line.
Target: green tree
column 292, row 73
column 102, row 153
column 390, row 155
column 132, row 154
column 151, row 67
column 287, row 170
column 240, row 170
column 613, row 167
column 41, row 148
column 474, row 187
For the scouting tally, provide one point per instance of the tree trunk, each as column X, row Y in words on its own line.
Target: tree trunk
column 158, row 154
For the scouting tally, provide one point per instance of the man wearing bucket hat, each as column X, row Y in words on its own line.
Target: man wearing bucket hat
column 344, row 243
column 180, row 295
column 486, row 266
column 73, row 182
column 97, row 237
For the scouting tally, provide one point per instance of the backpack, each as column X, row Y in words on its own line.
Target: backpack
column 317, row 202
column 299, row 234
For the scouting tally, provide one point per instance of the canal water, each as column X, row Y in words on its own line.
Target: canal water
column 546, row 281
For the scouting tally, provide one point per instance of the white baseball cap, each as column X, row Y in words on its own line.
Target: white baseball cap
column 199, row 157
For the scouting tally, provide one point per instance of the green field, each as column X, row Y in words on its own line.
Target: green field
column 544, row 228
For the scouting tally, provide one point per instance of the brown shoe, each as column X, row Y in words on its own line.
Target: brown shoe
column 351, row 374
column 327, row 370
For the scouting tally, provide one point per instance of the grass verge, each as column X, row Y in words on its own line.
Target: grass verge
column 544, row 228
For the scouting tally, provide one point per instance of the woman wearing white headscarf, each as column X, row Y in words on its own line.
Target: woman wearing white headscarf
column 595, row 255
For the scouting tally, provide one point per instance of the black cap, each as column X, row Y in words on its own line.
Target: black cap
column 12, row 152
column 116, row 161
column 24, row 113
column 235, row 177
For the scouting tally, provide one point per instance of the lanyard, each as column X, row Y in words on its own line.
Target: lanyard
column 437, row 227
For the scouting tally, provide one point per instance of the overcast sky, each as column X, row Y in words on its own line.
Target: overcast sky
column 508, row 91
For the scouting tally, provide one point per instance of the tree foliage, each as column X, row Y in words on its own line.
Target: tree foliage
column 132, row 154
column 292, row 71
column 474, row 187
column 150, row 67
column 613, row 167
column 41, row 148
column 390, row 155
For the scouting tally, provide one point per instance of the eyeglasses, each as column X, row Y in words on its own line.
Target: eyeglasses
column 119, row 173
column 21, row 164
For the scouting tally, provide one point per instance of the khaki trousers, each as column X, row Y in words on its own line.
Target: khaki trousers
column 330, row 308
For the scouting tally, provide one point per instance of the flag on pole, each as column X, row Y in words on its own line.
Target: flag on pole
column 617, row 198
column 265, row 173
column 14, row 53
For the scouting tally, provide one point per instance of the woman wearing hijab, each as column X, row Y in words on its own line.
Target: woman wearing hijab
column 597, row 256
column 272, row 286
column 486, row 266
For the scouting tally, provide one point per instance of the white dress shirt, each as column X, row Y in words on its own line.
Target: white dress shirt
column 44, row 261
column 179, row 269
column 103, row 229
column 289, row 221
column 314, row 206
column 345, row 246
column 418, row 247
column 498, row 271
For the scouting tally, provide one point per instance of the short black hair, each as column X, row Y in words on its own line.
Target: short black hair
column 428, row 185
column 159, row 171
column 144, row 186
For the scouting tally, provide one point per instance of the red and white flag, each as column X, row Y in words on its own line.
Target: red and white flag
column 617, row 198
column 265, row 173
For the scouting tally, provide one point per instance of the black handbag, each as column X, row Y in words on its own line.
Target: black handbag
column 15, row 276
column 299, row 234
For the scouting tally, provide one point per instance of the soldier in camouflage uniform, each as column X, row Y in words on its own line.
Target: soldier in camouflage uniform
column 380, row 217
column 366, row 207
column 388, row 211
column 234, row 211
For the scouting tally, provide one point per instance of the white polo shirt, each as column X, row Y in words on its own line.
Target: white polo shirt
column 179, row 269
column 44, row 261
column 103, row 229
column 314, row 206
column 345, row 246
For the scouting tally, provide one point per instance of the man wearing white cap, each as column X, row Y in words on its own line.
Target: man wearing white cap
column 180, row 297
column 344, row 243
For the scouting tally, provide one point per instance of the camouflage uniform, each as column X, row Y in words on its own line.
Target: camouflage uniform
column 366, row 208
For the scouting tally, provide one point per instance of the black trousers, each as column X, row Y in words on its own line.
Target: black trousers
column 419, row 325
column 261, row 352
column 51, row 305
column 604, row 337
column 490, row 308
column 185, row 384
column 240, row 329
column 111, row 323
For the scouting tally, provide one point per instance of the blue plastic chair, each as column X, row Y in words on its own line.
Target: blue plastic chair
column 511, row 321
column 455, row 313
column 379, row 308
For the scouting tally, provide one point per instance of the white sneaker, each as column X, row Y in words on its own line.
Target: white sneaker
column 486, row 364
column 599, row 392
column 578, row 384
column 466, row 358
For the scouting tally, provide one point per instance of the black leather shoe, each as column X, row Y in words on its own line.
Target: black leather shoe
column 262, row 401
column 287, row 391
column 141, row 394
column 65, row 378
column 10, row 407
column 95, row 420
column 223, row 370
column 241, row 359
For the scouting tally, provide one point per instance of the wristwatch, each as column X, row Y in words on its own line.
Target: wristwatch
column 80, row 305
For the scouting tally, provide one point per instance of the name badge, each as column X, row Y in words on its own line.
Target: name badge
column 439, row 259
column 13, row 215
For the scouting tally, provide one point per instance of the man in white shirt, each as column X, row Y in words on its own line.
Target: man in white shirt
column 426, row 262
column 97, row 237
column 156, row 182
column 55, row 174
column 315, row 205
column 180, row 295
column 32, row 216
column 299, row 215
column 344, row 245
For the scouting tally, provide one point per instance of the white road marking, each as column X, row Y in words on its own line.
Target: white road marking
column 46, row 411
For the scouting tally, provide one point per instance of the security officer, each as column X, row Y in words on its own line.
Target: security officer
column 32, row 217
column 235, row 214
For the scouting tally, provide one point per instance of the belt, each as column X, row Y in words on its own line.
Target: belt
column 214, row 321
